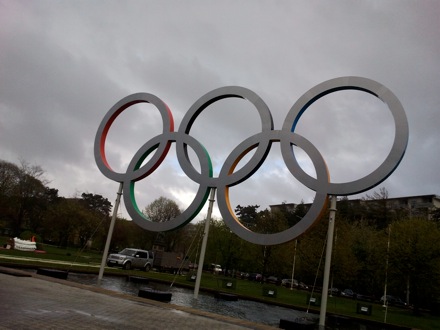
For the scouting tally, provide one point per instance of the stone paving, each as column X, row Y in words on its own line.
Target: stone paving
column 32, row 301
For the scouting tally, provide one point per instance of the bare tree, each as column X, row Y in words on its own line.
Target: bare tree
column 162, row 209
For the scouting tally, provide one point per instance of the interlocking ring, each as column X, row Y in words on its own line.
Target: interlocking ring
column 261, row 141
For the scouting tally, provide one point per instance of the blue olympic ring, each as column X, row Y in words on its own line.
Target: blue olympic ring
column 261, row 141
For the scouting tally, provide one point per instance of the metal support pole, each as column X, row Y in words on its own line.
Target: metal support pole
column 204, row 243
column 110, row 234
column 328, row 257
column 293, row 266
column 385, row 303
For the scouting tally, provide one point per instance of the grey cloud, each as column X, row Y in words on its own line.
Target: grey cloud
column 64, row 64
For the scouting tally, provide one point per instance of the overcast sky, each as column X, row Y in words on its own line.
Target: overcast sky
column 64, row 64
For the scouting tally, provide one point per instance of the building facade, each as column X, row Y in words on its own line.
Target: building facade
column 410, row 206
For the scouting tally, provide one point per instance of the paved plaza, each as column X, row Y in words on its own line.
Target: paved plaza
column 32, row 301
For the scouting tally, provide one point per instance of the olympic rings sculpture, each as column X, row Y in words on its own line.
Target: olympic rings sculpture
column 261, row 141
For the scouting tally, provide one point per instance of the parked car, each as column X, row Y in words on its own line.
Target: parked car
column 365, row 297
column 255, row 277
column 131, row 258
column 303, row 286
column 215, row 269
column 393, row 301
column 273, row 280
column 333, row 291
column 244, row 275
column 348, row 293
column 287, row 282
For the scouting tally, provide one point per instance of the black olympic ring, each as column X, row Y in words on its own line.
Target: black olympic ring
column 261, row 141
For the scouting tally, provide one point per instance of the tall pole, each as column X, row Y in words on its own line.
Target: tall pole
column 331, row 272
column 385, row 305
column 110, row 233
column 204, row 243
column 293, row 266
column 328, row 257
